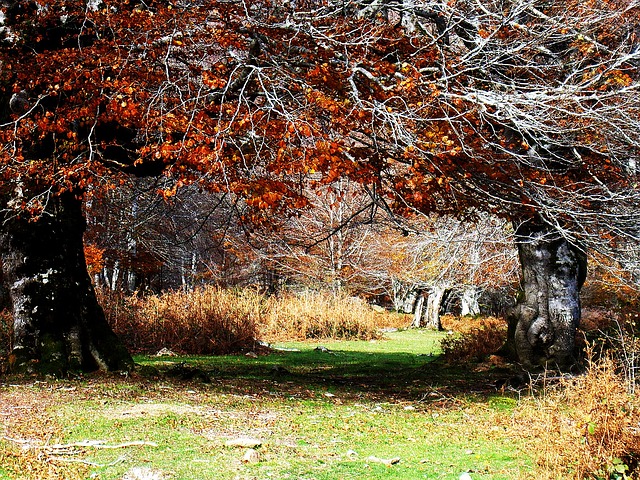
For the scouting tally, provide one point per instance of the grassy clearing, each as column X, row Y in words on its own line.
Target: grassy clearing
column 338, row 412
column 320, row 414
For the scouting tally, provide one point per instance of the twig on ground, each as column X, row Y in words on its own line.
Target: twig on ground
column 100, row 444
column 74, row 448
column 86, row 462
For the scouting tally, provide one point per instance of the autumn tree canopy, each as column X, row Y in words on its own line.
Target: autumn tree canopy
column 520, row 107
column 523, row 108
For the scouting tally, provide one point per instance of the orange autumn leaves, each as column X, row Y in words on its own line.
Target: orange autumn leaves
column 238, row 100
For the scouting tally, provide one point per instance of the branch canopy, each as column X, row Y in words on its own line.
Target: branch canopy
column 519, row 108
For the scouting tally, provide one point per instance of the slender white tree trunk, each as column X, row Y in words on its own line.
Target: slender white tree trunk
column 418, row 313
column 469, row 301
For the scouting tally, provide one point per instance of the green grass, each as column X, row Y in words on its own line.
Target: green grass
column 321, row 415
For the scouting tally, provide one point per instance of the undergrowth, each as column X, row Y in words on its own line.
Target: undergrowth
column 584, row 427
column 205, row 321
column 318, row 315
column 212, row 320
column 472, row 339
column 621, row 341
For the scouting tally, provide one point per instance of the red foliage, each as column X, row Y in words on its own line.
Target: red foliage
column 257, row 99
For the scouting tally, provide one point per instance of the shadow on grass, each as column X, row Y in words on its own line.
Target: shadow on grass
column 349, row 373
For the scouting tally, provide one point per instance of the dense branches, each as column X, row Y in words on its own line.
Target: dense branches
column 522, row 108
column 515, row 107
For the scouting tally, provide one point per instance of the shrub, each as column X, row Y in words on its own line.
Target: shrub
column 205, row 321
column 474, row 339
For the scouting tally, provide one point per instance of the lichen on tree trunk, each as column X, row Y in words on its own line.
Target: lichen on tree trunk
column 542, row 325
column 58, row 324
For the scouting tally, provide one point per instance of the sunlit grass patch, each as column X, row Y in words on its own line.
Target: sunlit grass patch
column 384, row 409
column 325, row 437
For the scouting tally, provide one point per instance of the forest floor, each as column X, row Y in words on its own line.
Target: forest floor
column 333, row 410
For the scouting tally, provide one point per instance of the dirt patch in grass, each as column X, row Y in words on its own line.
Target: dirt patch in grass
column 19, row 405
column 27, row 426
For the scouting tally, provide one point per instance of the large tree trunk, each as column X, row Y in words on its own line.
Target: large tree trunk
column 58, row 324
column 542, row 326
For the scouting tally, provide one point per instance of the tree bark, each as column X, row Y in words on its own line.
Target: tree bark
column 410, row 300
column 405, row 296
column 432, row 310
column 418, row 313
column 427, row 313
column 542, row 325
column 58, row 324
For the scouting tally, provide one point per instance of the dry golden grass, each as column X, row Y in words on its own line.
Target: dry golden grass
column 468, row 324
column 586, row 427
column 27, row 427
column 317, row 315
column 212, row 320
column 205, row 321
column 472, row 339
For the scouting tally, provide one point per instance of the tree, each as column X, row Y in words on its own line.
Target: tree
column 329, row 243
column 521, row 108
column 446, row 256
column 149, row 242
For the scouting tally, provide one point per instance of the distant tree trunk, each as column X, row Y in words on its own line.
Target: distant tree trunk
column 542, row 325
column 432, row 310
column 396, row 294
column 410, row 301
column 469, row 301
column 418, row 313
column 115, row 275
column 427, row 310
column 58, row 324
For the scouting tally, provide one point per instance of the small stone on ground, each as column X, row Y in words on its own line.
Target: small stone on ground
column 144, row 473
column 385, row 461
column 251, row 456
column 245, row 442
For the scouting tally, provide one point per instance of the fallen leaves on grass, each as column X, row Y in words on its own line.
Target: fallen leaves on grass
column 584, row 428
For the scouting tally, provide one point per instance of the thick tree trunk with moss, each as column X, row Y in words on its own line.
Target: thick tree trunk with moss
column 542, row 325
column 58, row 324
